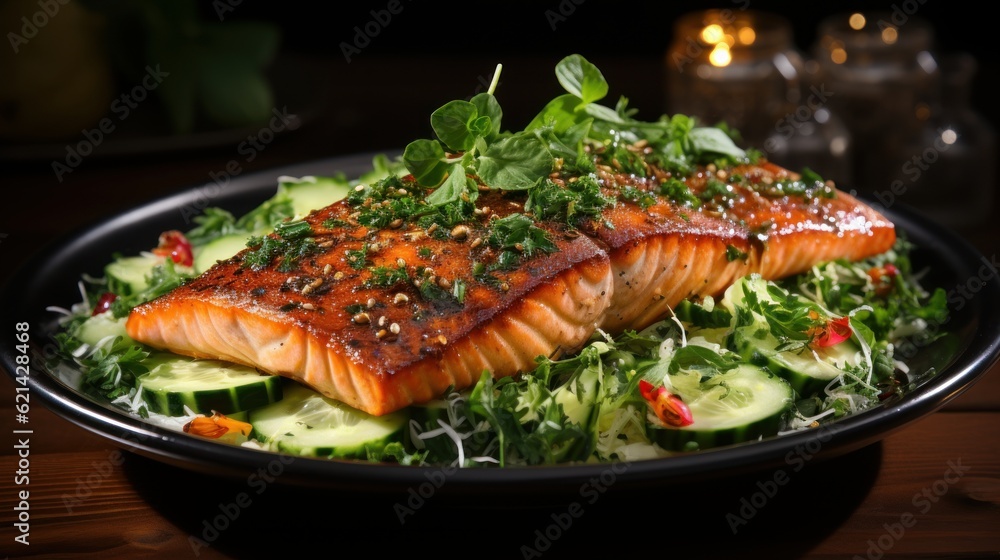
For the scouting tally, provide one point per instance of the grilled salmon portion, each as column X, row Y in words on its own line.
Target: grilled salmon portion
column 380, row 319
column 666, row 253
column 381, row 312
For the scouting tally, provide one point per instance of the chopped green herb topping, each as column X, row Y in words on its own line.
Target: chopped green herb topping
column 678, row 191
column 644, row 199
column 716, row 188
column 733, row 253
column 516, row 236
column 811, row 185
column 357, row 258
column 385, row 277
column 577, row 200
column 292, row 240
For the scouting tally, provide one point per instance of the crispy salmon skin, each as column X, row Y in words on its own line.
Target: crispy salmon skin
column 382, row 312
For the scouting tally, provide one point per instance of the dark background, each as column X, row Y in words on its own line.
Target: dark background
column 428, row 54
column 450, row 50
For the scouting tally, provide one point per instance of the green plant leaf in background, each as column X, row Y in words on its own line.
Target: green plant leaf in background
column 216, row 70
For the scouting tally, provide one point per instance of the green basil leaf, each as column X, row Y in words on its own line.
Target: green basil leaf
column 452, row 187
column 425, row 160
column 480, row 127
column 581, row 78
column 603, row 113
column 559, row 114
column 487, row 106
column 515, row 163
column 451, row 123
column 716, row 141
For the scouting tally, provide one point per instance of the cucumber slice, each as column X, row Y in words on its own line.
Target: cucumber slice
column 129, row 275
column 806, row 371
column 578, row 398
column 205, row 386
column 311, row 193
column 305, row 422
column 97, row 327
column 219, row 249
column 740, row 405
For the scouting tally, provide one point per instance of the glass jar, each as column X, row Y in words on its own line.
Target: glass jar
column 881, row 75
column 737, row 67
column 946, row 170
column 809, row 134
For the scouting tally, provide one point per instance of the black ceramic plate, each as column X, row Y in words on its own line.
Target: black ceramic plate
column 971, row 346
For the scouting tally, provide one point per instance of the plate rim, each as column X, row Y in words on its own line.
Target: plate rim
column 181, row 450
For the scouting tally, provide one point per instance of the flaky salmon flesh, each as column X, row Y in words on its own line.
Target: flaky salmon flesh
column 384, row 317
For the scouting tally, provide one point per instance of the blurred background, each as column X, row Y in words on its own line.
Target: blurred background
column 892, row 99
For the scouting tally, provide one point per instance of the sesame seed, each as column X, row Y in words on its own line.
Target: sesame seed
column 402, row 192
column 359, row 188
column 428, row 271
column 396, row 224
column 370, row 303
column 381, row 334
column 483, row 188
column 519, row 246
column 316, row 283
column 306, row 290
column 433, row 227
column 382, row 321
column 361, row 319
column 400, row 298
column 460, row 232
column 308, row 306
column 444, row 283
column 400, row 262
column 442, row 339
column 325, row 244
column 339, row 275
column 394, row 328
column 327, row 269
column 476, row 242
column 504, row 286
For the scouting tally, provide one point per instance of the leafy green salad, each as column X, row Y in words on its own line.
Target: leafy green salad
column 763, row 359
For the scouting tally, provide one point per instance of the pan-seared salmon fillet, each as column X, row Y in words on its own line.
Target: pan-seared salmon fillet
column 666, row 252
column 380, row 318
column 382, row 312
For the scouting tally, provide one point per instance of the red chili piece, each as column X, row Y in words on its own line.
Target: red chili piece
column 175, row 245
column 668, row 407
column 103, row 303
column 834, row 332
column 883, row 277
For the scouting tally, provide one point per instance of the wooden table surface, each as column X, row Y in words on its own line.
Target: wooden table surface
column 928, row 490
